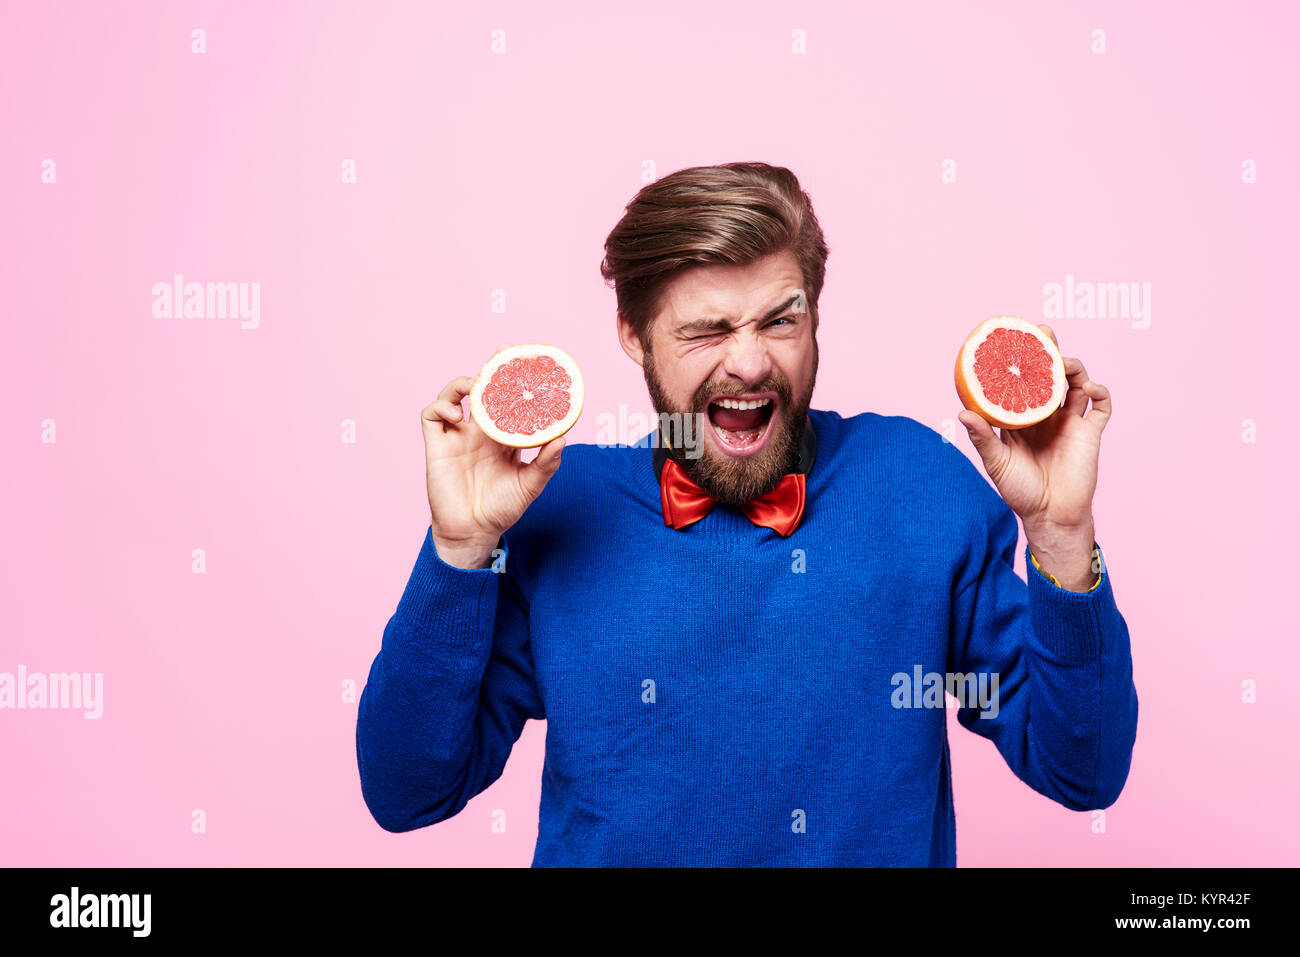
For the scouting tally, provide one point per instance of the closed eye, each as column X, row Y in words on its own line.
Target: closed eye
column 716, row 333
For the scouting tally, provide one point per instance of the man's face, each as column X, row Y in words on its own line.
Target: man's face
column 728, row 336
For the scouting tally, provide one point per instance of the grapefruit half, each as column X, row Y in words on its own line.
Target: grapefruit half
column 524, row 396
column 1010, row 372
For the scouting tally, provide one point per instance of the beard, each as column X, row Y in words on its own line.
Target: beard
column 735, row 480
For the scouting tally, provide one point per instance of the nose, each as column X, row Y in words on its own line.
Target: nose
column 747, row 361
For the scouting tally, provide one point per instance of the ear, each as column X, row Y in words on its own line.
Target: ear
column 630, row 341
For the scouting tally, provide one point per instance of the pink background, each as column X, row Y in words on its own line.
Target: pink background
column 479, row 171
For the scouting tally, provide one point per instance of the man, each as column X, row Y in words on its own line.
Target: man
column 740, row 649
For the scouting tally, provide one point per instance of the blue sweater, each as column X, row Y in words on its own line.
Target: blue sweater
column 720, row 695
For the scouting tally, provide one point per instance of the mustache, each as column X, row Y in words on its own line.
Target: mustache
column 704, row 393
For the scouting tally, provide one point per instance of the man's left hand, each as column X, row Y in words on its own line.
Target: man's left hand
column 1047, row 473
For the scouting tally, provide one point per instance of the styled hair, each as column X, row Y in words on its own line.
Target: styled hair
column 732, row 214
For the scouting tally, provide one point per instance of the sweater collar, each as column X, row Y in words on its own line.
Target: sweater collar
column 807, row 450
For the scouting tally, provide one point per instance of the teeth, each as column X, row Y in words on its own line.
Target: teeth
column 738, row 404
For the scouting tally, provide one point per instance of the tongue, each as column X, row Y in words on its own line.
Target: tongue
column 737, row 420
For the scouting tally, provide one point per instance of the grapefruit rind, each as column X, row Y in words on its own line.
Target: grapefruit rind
column 541, row 437
column 972, row 396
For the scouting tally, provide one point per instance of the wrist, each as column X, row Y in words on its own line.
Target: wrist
column 1053, row 535
column 467, row 553
column 1064, row 553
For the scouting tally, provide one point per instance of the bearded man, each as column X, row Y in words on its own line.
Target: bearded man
column 741, row 648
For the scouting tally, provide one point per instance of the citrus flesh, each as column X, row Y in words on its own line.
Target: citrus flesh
column 525, row 396
column 1010, row 372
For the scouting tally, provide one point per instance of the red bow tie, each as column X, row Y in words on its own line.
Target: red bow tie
column 685, row 503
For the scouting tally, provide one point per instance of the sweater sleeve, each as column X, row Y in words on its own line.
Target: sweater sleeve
column 1064, row 712
column 448, row 693
column 1052, row 578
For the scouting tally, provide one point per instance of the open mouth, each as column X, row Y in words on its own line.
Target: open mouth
column 740, row 423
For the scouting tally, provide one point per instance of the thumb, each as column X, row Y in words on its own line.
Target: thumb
column 538, row 472
column 980, row 432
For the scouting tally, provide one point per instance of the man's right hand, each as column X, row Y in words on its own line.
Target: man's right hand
column 478, row 488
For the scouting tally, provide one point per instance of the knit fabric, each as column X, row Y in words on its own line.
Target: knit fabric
column 719, row 695
column 1096, row 560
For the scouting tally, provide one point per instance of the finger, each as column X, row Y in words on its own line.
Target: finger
column 549, row 455
column 982, row 436
column 457, row 388
column 447, row 406
column 1076, row 399
column 1101, row 407
column 444, row 410
column 536, row 473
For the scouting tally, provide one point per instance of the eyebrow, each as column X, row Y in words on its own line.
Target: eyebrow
column 705, row 324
